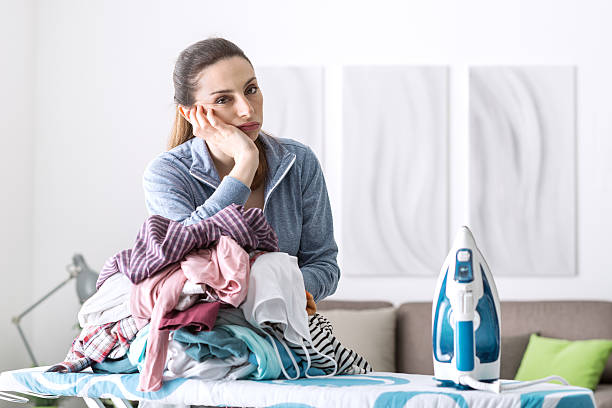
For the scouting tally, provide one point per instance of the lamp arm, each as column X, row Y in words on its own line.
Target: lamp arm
column 52, row 291
column 17, row 319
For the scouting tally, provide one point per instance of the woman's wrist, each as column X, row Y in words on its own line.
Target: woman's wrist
column 248, row 154
column 245, row 167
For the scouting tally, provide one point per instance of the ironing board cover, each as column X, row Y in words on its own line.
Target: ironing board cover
column 389, row 390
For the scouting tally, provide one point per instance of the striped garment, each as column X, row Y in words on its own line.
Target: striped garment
column 96, row 343
column 348, row 361
column 162, row 241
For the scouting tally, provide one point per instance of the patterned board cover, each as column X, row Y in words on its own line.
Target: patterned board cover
column 389, row 390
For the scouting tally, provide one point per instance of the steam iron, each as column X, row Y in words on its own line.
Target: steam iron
column 466, row 318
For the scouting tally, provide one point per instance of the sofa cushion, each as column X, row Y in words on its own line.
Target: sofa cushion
column 414, row 347
column 369, row 332
column 512, row 351
column 580, row 362
column 568, row 319
column 603, row 396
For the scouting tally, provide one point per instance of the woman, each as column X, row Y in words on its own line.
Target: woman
column 218, row 155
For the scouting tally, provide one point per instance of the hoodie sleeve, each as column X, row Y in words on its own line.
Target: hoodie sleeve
column 169, row 194
column 318, row 250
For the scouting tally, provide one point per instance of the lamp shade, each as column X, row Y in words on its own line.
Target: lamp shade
column 86, row 278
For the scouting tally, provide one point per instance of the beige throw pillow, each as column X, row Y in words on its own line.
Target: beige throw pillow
column 369, row 332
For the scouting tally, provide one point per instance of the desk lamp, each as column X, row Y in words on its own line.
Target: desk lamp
column 85, row 286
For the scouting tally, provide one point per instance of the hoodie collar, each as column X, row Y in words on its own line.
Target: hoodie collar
column 278, row 157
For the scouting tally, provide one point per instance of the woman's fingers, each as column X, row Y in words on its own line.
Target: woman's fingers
column 199, row 122
column 192, row 118
column 199, row 114
column 211, row 118
column 214, row 121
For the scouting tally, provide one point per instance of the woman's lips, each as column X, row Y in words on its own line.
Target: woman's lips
column 249, row 126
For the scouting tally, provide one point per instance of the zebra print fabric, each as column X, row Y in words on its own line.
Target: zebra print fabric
column 329, row 348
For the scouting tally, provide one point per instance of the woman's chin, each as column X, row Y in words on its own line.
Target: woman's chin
column 253, row 134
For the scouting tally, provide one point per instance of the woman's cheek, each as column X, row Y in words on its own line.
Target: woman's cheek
column 225, row 114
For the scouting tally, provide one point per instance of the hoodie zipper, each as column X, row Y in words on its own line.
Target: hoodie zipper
column 203, row 181
column 277, row 183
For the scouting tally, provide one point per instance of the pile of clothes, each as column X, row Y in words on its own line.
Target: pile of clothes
column 213, row 300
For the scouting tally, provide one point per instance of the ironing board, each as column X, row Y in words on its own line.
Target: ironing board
column 378, row 389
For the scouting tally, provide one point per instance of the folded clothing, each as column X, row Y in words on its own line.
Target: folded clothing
column 96, row 343
column 263, row 356
column 237, row 351
column 193, row 293
column 162, row 242
column 152, row 299
column 276, row 299
column 276, row 303
column 137, row 351
column 289, row 357
column 121, row 365
column 329, row 355
column 224, row 268
column 180, row 364
column 109, row 304
column 217, row 343
column 198, row 317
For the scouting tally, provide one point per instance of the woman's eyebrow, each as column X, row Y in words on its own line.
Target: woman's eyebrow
column 229, row 90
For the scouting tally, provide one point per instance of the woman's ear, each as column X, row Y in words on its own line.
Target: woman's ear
column 184, row 111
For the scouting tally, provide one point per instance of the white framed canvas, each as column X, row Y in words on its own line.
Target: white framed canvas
column 394, row 170
column 522, row 167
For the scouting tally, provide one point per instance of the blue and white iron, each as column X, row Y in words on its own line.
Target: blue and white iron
column 466, row 322
column 466, row 318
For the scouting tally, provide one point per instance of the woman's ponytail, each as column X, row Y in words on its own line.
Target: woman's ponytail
column 181, row 131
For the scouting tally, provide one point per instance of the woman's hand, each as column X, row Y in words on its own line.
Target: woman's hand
column 230, row 140
column 311, row 306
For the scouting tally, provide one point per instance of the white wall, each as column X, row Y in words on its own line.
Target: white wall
column 102, row 108
column 17, row 32
column 102, row 100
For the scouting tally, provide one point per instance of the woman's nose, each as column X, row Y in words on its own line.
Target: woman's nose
column 244, row 107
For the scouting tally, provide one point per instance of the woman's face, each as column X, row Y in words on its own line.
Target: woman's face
column 230, row 88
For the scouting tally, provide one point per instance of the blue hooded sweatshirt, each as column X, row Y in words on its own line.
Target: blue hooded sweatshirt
column 183, row 184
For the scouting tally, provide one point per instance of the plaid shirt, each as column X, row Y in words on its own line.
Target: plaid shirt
column 96, row 343
column 162, row 241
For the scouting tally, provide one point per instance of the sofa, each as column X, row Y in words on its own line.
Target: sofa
column 398, row 339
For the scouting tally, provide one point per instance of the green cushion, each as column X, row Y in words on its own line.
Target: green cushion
column 579, row 362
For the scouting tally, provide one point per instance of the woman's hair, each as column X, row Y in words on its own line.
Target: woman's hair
column 189, row 65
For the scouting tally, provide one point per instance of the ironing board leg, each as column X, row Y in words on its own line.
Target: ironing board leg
column 121, row 403
column 93, row 402
column 96, row 403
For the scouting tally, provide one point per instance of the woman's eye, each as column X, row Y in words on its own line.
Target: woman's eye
column 221, row 100
column 251, row 90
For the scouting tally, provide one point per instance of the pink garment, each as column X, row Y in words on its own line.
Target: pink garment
column 198, row 317
column 224, row 268
column 153, row 298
